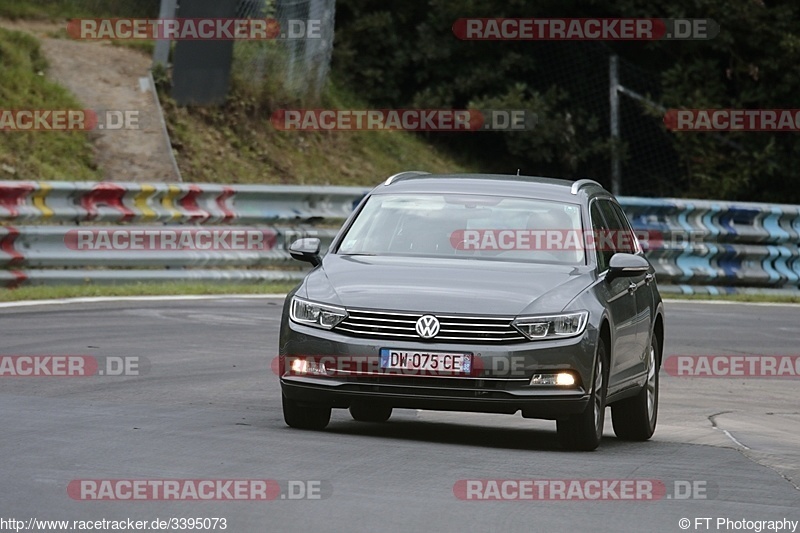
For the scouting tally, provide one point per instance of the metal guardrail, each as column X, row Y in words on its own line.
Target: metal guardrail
column 702, row 246
column 80, row 247
column 720, row 247
column 43, row 225
column 81, row 202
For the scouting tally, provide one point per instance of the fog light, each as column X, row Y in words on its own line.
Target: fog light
column 562, row 379
column 304, row 366
column 565, row 379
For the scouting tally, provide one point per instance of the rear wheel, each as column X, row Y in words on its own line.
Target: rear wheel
column 304, row 417
column 585, row 430
column 635, row 418
column 370, row 413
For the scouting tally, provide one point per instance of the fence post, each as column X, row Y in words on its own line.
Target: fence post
column 161, row 53
column 201, row 73
column 613, row 93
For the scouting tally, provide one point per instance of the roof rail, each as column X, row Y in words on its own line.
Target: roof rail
column 404, row 175
column 580, row 183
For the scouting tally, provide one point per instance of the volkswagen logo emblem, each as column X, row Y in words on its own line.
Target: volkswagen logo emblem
column 427, row 327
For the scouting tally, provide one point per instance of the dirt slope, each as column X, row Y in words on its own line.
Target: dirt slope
column 106, row 77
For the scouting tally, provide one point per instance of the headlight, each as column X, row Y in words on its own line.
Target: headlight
column 316, row 315
column 552, row 327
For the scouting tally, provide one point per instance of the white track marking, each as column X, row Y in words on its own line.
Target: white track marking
column 731, row 302
column 104, row 299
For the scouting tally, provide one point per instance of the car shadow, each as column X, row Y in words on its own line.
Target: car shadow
column 493, row 437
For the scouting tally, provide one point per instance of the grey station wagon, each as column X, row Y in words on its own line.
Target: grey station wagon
column 479, row 293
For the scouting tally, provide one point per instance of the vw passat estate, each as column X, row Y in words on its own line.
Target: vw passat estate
column 481, row 293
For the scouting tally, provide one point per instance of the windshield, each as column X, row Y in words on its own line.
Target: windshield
column 467, row 226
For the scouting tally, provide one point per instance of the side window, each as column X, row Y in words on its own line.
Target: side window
column 630, row 243
column 621, row 238
column 599, row 227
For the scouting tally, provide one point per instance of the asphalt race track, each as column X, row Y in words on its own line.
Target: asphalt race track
column 206, row 406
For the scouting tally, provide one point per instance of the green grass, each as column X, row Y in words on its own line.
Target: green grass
column 146, row 47
column 14, row 9
column 175, row 288
column 37, row 155
column 236, row 143
column 745, row 298
column 140, row 289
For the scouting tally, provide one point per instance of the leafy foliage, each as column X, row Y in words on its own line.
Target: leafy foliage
column 402, row 54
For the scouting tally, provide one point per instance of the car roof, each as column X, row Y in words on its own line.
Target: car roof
column 493, row 185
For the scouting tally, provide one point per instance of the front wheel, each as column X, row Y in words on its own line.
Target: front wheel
column 584, row 431
column 635, row 418
column 303, row 417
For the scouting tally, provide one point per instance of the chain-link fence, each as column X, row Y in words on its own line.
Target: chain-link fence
column 652, row 166
column 648, row 162
column 298, row 61
column 300, row 58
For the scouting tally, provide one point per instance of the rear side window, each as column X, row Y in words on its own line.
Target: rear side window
column 634, row 246
column 621, row 238
column 600, row 227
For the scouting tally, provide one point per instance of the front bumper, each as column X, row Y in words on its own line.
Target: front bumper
column 499, row 383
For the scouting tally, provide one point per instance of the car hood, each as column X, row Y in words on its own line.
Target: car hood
column 442, row 285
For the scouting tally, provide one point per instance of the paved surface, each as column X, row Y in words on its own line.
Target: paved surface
column 208, row 407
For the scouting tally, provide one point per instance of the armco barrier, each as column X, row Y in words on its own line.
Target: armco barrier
column 703, row 246
column 41, row 222
column 79, row 202
column 83, row 246
column 711, row 247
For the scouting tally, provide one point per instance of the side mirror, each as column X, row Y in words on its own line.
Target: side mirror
column 623, row 264
column 306, row 250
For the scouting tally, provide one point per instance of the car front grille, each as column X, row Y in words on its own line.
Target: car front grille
column 454, row 328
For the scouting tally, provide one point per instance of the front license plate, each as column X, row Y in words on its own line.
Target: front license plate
column 426, row 362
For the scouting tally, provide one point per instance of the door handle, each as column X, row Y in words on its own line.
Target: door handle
column 632, row 287
column 649, row 278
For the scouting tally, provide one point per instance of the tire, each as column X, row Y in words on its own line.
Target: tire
column 635, row 418
column 302, row 417
column 583, row 432
column 363, row 412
